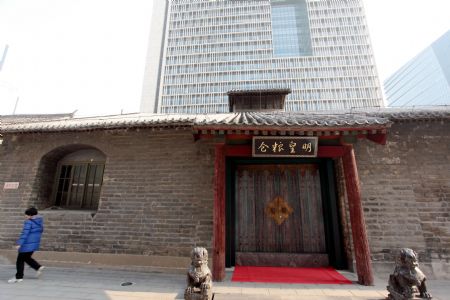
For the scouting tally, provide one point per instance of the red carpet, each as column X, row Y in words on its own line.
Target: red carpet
column 288, row 275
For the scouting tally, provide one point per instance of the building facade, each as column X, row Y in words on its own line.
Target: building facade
column 424, row 80
column 139, row 191
column 201, row 49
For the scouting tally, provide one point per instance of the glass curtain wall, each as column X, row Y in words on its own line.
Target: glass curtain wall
column 319, row 49
column 290, row 28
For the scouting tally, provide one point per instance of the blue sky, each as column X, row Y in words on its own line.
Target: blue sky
column 88, row 55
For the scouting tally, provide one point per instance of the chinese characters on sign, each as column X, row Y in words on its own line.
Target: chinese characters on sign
column 285, row 146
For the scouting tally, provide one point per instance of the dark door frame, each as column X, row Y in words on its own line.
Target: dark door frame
column 359, row 233
column 332, row 224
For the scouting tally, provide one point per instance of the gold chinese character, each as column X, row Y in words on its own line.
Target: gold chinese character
column 263, row 147
column 307, row 147
column 277, row 147
column 292, row 145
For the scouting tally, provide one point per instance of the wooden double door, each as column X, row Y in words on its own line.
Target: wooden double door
column 278, row 216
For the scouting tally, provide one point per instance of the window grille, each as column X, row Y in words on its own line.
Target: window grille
column 79, row 185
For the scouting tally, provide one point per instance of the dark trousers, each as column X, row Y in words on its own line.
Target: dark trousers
column 22, row 258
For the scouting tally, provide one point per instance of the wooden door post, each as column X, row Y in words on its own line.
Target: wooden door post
column 218, row 267
column 360, row 241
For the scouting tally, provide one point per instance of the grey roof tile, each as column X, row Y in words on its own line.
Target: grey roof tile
column 308, row 120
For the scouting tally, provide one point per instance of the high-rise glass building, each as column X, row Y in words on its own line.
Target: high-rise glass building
column 201, row 49
column 424, row 80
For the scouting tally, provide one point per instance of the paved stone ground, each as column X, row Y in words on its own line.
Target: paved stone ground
column 105, row 284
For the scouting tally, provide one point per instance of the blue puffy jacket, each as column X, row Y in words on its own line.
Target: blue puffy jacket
column 30, row 238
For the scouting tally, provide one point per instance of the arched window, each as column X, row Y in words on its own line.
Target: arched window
column 79, row 179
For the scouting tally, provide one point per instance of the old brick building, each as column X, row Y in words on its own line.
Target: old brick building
column 141, row 190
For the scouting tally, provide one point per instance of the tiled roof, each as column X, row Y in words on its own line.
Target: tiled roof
column 244, row 119
column 16, row 119
column 257, row 92
column 287, row 119
column 309, row 120
column 102, row 122
column 411, row 114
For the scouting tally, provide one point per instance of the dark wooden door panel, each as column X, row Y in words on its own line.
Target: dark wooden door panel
column 279, row 209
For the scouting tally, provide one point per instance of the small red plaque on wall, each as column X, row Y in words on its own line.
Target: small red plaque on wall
column 11, row 186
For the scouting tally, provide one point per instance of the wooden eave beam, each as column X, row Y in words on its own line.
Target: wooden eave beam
column 377, row 134
column 379, row 138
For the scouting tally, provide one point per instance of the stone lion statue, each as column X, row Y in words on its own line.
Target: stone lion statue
column 199, row 277
column 407, row 279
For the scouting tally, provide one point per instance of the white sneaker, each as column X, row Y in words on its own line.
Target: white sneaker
column 39, row 271
column 14, row 280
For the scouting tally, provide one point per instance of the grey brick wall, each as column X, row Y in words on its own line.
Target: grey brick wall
column 406, row 192
column 157, row 195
